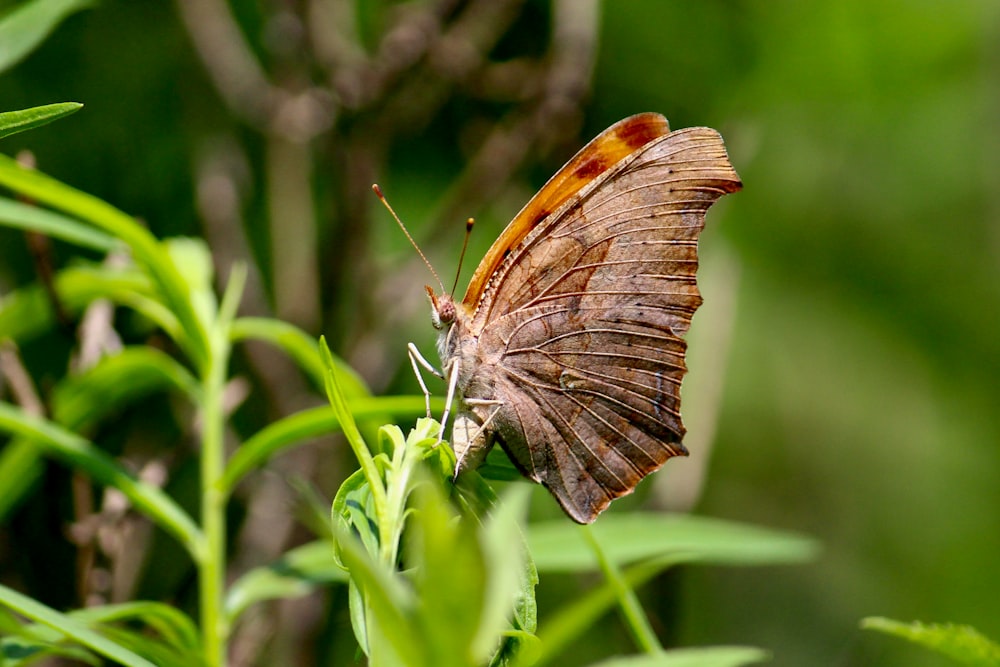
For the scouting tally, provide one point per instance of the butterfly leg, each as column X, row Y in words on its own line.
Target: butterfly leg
column 490, row 402
column 470, row 437
column 452, row 384
column 416, row 361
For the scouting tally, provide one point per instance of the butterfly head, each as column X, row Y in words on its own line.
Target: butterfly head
column 443, row 310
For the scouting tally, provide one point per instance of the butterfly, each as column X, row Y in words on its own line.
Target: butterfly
column 567, row 348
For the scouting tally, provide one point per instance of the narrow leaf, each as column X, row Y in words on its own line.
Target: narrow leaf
column 23, row 29
column 116, row 381
column 626, row 538
column 27, row 313
column 960, row 642
column 297, row 573
column 298, row 428
column 302, row 348
column 12, row 122
column 69, row 627
column 387, row 599
column 20, row 467
column 20, row 651
column 173, row 625
column 628, row 602
column 148, row 252
column 24, row 216
column 715, row 656
column 505, row 552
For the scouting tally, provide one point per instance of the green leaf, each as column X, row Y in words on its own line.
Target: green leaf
column 18, row 215
column 389, row 601
column 510, row 584
column 297, row 573
column 80, row 401
column 449, row 575
column 193, row 261
column 353, row 510
column 148, row 647
column 147, row 251
column 20, row 468
column 27, row 313
column 960, row 642
column 302, row 348
column 23, row 29
column 349, row 427
column 298, row 428
column 628, row 602
column 70, row 627
column 12, row 122
column 173, row 625
column 116, row 381
column 558, row 546
column 715, row 656
column 21, row 651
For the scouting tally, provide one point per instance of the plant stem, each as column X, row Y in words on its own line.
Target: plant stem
column 215, row 624
column 635, row 618
column 213, row 499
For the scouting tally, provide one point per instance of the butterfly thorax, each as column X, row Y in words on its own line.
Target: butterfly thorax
column 460, row 354
column 456, row 342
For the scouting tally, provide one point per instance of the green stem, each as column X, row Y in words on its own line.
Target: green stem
column 211, row 568
column 212, row 584
column 635, row 618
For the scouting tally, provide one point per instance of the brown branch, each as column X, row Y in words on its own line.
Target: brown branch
column 21, row 386
column 230, row 62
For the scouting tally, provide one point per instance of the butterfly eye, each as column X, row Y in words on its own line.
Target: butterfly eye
column 442, row 309
column 445, row 311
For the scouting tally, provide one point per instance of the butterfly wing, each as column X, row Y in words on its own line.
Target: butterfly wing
column 581, row 324
column 599, row 156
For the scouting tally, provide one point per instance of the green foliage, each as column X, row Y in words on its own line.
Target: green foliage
column 12, row 122
column 858, row 266
column 26, row 26
column 63, row 626
column 701, row 657
column 463, row 581
column 629, row 538
column 962, row 643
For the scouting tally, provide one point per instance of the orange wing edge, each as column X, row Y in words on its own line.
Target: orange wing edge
column 596, row 158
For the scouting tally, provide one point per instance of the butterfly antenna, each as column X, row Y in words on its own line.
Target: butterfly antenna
column 465, row 246
column 378, row 193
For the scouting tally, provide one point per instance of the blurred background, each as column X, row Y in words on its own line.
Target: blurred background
column 844, row 369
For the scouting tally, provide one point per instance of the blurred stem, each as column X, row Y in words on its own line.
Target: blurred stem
column 293, row 232
column 635, row 618
column 212, row 568
column 229, row 60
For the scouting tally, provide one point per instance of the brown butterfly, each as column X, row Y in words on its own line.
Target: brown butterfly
column 567, row 348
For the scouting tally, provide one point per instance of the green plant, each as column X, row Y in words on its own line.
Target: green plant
column 962, row 643
column 168, row 283
column 438, row 573
column 461, row 562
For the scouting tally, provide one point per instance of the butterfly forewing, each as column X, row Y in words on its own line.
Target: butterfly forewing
column 595, row 159
column 580, row 327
